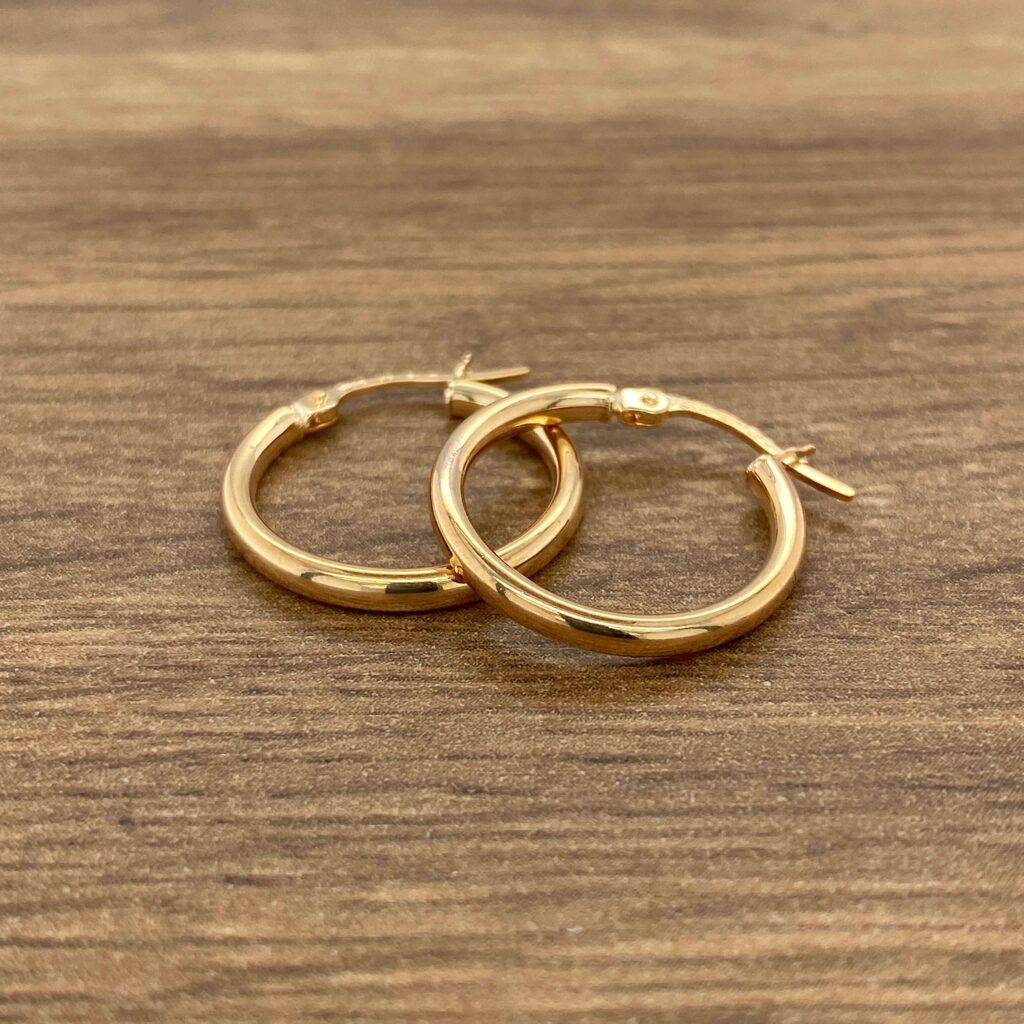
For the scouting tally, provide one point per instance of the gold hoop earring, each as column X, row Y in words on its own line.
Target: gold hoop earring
column 611, row 632
column 378, row 589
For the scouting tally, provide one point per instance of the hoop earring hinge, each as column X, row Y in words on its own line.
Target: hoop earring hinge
column 319, row 409
column 648, row 407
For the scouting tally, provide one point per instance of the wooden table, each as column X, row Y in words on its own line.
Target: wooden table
column 224, row 803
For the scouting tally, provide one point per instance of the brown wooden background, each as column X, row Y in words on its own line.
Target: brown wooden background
column 224, row 803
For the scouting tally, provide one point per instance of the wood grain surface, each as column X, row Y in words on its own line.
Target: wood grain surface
column 221, row 802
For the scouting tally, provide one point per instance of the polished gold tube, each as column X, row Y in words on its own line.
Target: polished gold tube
column 636, row 635
column 385, row 589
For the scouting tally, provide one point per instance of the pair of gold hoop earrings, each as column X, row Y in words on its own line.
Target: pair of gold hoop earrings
column 502, row 577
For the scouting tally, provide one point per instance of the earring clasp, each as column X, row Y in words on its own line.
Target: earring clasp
column 319, row 409
column 647, row 407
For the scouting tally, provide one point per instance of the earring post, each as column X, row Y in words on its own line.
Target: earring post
column 462, row 371
column 492, row 376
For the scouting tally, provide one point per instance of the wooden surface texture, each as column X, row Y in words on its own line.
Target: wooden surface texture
column 221, row 802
